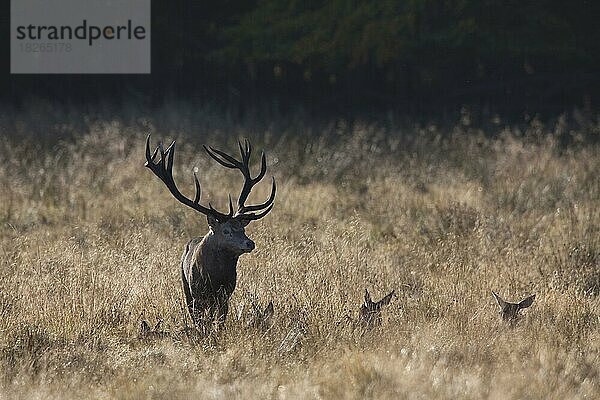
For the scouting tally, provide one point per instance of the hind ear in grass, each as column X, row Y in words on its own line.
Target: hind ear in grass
column 370, row 312
column 510, row 311
column 144, row 328
column 269, row 310
column 527, row 302
column 386, row 300
column 501, row 303
column 261, row 317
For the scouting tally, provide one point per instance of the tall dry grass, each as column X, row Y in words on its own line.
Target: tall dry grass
column 90, row 246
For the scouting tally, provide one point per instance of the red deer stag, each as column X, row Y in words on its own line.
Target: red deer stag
column 208, row 264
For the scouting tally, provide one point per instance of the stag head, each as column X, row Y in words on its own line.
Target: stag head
column 231, row 234
column 227, row 229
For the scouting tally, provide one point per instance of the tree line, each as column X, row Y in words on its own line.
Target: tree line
column 352, row 53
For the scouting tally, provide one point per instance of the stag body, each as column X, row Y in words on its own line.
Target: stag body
column 208, row 264
column 208, row 271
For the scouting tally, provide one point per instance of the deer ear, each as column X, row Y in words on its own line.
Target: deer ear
column 212, row 221
column 368, row 297
column 527, row 302
column 269, row 311
column 386, row 300
column 501, row 303
column 144, row 328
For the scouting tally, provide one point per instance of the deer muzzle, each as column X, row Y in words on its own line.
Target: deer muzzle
column 248, row 246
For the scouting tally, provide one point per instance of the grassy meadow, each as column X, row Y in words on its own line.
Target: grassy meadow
column 91, row 242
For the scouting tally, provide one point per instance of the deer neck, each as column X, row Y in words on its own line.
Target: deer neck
column 215, row 257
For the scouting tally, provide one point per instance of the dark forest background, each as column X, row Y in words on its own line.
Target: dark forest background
column 414, row 56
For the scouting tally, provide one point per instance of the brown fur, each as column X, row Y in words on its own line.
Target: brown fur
column 208, row 273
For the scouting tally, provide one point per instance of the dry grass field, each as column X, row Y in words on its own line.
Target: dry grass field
column 91, row 242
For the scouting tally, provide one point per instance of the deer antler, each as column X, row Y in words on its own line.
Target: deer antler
column 163, row 169
column 244, row 212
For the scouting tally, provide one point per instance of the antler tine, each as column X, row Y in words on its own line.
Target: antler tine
column 163, row 169
column 262, row 206
column 248, row 150
column 243, row 165
column 245, row 151
column 169, row 153
column 230, row 161
column 250, row 182
column 263, row 167
column 149, row 158
column 198, row 189
column 254, row 217
column 242, row 150
column 161, row 149
column 230, row 214
column 230, row 205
